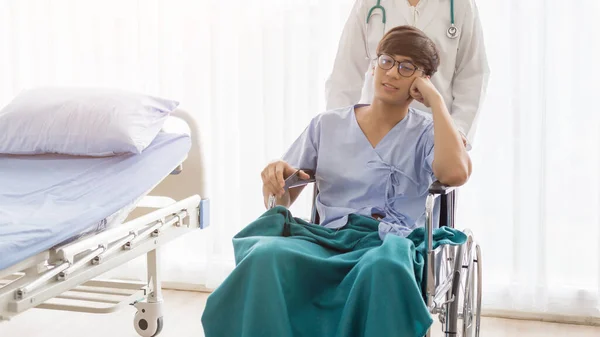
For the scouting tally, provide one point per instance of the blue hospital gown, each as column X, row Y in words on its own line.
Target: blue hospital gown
column 390, row 180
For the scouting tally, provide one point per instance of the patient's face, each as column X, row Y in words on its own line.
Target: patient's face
column 393, row 76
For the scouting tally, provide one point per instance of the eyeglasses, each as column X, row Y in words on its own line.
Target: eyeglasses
column 405, row 68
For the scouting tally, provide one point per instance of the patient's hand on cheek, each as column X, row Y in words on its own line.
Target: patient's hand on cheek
column 424, row 91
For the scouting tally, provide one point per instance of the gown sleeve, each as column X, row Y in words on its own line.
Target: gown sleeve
column 303, row 153
column 427, row 150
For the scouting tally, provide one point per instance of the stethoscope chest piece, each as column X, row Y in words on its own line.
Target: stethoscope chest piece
column 452, row 32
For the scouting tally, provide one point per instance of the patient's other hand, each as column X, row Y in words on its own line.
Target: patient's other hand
column 274, row 175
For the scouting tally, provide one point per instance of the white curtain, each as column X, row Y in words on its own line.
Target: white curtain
column 253, row 74
column 534, row 197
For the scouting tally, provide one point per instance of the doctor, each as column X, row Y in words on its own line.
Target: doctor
column 455, row 28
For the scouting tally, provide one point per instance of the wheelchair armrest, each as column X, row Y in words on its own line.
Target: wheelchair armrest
column 439, row 188
column 295, row 181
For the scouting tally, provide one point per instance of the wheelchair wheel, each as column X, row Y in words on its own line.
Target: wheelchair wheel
column 479, row 289
column 463, row 315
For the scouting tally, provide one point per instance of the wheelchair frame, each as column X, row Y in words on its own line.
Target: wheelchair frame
column 449, row 270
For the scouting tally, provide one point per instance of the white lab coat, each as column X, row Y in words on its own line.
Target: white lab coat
column 463, row 72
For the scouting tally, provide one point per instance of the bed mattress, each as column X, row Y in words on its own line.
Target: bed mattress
column 48, row 199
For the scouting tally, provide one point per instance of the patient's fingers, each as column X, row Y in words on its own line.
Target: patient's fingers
column 267, row 178
column 274, row 175
column 279, row 173
column 416, row 94
column 274, row 180
column 303, row 175
column 269, row 182
column 414, row 91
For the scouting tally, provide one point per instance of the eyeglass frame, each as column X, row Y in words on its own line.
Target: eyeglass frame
column 399, row 65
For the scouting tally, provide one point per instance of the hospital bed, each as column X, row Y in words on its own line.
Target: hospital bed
column 68, row 227
column 453, row 275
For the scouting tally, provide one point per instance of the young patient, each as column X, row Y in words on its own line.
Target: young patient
column 373, row 165
column 379, row 160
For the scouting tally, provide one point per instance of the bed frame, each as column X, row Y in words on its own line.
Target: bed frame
column 64, row 277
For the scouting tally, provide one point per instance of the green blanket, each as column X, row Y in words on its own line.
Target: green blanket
column 298, row 279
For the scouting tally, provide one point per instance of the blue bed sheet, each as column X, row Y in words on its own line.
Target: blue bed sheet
column 47, row 199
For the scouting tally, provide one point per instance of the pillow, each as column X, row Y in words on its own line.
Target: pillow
column 81, row 121
column 176, row 125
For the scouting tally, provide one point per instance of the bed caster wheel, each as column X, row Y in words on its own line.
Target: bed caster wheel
column 148, row 320
column 145, row 329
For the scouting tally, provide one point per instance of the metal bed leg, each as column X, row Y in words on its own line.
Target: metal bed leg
column 154, row 277
column 148, row 320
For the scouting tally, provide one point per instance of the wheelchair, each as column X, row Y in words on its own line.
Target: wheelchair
column 453, row 274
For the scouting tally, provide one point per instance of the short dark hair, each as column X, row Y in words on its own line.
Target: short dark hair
column 411, row 42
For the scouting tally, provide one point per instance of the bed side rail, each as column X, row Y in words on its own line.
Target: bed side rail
column 76, row 263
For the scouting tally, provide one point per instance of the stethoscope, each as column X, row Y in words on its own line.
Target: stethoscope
column 452, row 31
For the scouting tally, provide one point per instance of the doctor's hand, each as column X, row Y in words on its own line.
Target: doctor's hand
column 274, row 175
column 424, row 91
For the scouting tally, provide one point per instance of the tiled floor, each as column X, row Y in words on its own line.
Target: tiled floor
column 182, row 318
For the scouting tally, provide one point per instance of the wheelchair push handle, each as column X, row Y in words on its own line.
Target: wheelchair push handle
column 294, row 181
